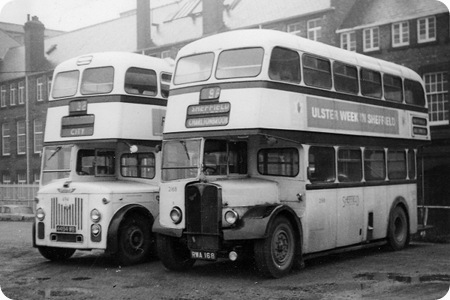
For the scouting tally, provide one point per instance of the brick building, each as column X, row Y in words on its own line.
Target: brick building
column 414, row 33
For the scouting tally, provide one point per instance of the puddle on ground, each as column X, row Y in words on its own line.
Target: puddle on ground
column 404, row 278
column 81, row 278
column 56, row 292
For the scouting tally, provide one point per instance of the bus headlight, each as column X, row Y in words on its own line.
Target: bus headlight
column 176, row 215
column 231, row 217
column 40, row 214
column 96, row 216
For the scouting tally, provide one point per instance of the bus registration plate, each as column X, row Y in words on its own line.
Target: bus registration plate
column 204, row 255
column 62, row 228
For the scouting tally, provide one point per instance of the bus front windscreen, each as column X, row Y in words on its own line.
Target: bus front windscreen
column 194, row 68
column 180, row 159
column 56, row 163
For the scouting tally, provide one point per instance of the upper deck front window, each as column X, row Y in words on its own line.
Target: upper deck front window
column 65, row 84
column 238, row 63
column 141, row 82
column 194, row 68
column 97, row 81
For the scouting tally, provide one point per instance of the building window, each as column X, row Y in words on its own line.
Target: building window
column 21, row 137
column 348, row 41
column 400, row 34
column 12, row 94
column 436, row 88
column 426, row 29
column 314, row 29
column 6, row 178
column 21, row 92
column 294, row 28
column 3, row 96
column 371, row 37
column 36, row 177
column 38, row 135
column 6, row 139
column 21, row 177
column 49, row 86
column 39, row 89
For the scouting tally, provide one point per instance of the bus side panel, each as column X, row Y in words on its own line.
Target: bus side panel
column 350, row 215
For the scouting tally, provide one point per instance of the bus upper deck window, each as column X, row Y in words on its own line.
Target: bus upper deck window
column 65, row 84
column 165, row 84
column 345, row 78
column 414, row 93
column 393, row 89
column 284, row 65
column 141, row 82
column 239, row 63
column 194, row 68
column 371, row 83
column 97, row 80
column 316, row 71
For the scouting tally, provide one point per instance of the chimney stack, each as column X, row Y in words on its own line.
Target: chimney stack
column 34, row 45
column 143, row 26
column 212, row 16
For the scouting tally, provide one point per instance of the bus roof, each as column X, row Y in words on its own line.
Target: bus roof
column 270, row 38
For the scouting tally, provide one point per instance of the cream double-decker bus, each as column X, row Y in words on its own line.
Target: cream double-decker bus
column 285, row 149
column 100, row 162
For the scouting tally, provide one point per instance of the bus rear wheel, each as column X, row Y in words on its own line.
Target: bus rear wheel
column 173, row 253
column 56, row 254
column 398, row 236
column 275, row 255
column 135, row 241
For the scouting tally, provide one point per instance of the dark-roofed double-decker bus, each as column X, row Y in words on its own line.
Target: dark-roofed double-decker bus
column 284, row 149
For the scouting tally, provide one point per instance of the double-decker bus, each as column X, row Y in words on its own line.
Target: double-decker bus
column 286, row 149
column 100, row 163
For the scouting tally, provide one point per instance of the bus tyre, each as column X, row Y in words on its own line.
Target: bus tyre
column 135, row 241
column 56, row 254
column 275, row 255
column 173, row 253
column 398, row 237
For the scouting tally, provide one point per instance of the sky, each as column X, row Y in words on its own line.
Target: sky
column 70, row 15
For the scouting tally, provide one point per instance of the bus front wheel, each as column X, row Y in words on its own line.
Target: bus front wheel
column 398, row 237
column 135, row 241
column 56, row 254
column 173, row 253
column 275, row 255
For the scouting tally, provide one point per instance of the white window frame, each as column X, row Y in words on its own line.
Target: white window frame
column 21, row 137
column 3, row 96
column 294, row 28
column 12, row 94
column 21, row 92
column 6, row 178
column 21, row 178
column 39, row 89
column 36, row 177
column 373, row 35
column 430, row 30
column 348, row 41
column 314, row 29
column 437, row 97
column 400, row 34
column 38, row 130
column 6, row 139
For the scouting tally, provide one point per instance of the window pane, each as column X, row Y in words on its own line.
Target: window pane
column 393, row 88
column 370, row 83
column 414, row 93
column 345, row 78
column 240, row 63
column 374, row 165
column 194, row 68
column 284, row 65
column 411, row 164
column 278, row 162
column 97, row 81
column 397, row 164
column 321, row 166
column 317, row 71
column 65, row 84
column 141, row 82
column 349, row 165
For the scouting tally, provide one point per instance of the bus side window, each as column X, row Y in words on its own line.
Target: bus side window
column 284, row 65
column 414, row 93
column 393, row 90
column 397, row 164
column 141, row 82
column 317, row 71
column 349, row 165
column 374, row 165
column 165, row 84
column 321, row 166
column 345, row 78
column 411, row 164
column 370, row 83
column 278, row 162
